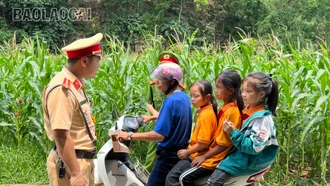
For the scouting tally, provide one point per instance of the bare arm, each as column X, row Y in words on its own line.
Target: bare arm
column 66, row 151
column 184, row 153
column 145, row 136
column 197, row 161
column 152, row 110
column 216, row 150
column 148, row 118
column 154, row 113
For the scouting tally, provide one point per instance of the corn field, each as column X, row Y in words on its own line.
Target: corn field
column 303, row 120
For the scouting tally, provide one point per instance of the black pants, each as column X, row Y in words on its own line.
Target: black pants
column 183, row 174
column 218, row 178
column 167, row 159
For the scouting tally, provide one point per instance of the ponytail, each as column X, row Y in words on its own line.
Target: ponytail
column 239, row 100
column 214, row 104
column 272, row 98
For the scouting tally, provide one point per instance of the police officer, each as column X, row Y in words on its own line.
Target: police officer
column 68, row 118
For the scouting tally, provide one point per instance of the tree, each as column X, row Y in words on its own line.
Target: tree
column 297, row 21
column 36, row 17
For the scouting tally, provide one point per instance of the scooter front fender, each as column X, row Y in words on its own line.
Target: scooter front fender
column 100, row 173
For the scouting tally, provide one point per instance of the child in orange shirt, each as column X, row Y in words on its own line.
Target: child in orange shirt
column 228, row 85
column 201, row 97
column 203, row 163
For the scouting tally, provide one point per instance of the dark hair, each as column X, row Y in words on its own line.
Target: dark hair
column 205, row 88
column 263, row 83
column 232, row 80
column 172, row 85
column 74, row 60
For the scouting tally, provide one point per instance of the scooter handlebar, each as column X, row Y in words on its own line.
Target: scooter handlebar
column 139, row 120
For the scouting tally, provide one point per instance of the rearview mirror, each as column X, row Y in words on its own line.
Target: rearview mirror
column 115, row 114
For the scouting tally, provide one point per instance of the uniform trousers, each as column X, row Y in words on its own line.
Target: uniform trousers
column 86, row 167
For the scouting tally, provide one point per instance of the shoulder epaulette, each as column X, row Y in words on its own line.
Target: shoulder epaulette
column 66, row 83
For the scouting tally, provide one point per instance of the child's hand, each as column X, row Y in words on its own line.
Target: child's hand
column 228, row 126
column 152, row 110
column 197, row 161
column 183, row 154
column 149, row 107
column 147, row 118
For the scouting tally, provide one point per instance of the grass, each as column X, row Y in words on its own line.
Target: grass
column 22, row 165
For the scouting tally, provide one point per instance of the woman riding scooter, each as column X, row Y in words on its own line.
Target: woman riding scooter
column 173, row 127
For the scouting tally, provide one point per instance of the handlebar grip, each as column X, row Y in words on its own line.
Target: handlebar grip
column 139, row 120
column 121, row 140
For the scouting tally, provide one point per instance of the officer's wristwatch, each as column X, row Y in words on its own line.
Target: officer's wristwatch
column 129, row 135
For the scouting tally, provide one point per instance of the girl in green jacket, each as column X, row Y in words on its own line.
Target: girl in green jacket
column 255, row 145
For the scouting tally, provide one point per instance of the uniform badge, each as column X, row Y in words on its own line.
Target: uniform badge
column 94, row 119
column 76, row 84
column 66, row 83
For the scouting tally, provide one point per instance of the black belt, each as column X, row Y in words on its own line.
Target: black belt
column 83, row 154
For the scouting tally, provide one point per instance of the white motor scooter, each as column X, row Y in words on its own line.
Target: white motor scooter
column 118, row 169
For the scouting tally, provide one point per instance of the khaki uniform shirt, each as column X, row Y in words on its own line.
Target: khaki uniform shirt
column 61, row 110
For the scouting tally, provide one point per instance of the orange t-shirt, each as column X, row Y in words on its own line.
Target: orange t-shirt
column 231, row 113
column 204, row 129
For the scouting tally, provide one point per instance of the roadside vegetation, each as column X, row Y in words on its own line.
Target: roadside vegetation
column 121, row 83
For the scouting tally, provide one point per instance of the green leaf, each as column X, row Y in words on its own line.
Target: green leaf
column 297, row 99
column 35, row 87
column 322, row 100
column 4, row 124
column 309, row 125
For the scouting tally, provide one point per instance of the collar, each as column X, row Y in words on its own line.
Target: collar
column 224, row 108
column 72, row 78
column 249, row 111
column 205, row 108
